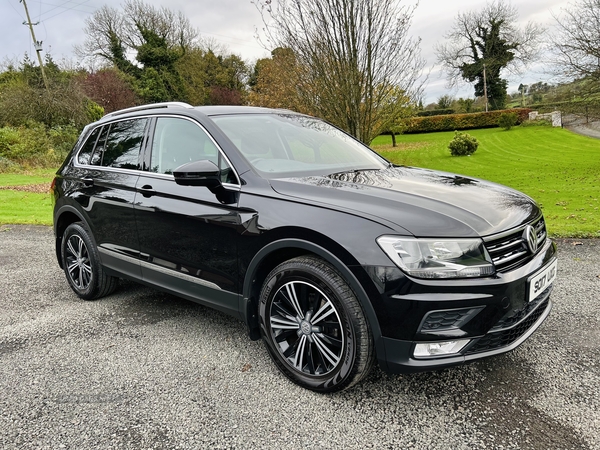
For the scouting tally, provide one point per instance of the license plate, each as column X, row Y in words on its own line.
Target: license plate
column 542, row 280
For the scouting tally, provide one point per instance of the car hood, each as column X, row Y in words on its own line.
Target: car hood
column 424, row 203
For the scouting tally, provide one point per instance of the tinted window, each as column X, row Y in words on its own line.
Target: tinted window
column 124, row 143
column 88, row 147
column 96, row 158
column 180, row 141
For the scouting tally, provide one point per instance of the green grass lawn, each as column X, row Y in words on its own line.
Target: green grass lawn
column 559, row 169
column 22, row 206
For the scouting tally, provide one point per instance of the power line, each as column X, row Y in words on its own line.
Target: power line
column 16, row 10
column 65, row 8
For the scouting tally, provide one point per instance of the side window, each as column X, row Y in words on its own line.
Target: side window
column 123, row 144
column 86, row 151
column 96, row 158
column 180, row 141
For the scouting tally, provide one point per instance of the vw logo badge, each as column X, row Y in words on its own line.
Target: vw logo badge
column 530, row 237
column 305, row 327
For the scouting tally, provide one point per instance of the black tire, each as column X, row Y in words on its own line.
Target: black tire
column 82, row 266
column 314, row 327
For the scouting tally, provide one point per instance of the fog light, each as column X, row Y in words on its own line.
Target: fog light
column 440, row 348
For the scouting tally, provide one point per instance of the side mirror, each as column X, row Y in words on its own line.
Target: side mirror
column 198, row 173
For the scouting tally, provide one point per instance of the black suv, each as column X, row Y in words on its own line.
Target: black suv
column 331, row 254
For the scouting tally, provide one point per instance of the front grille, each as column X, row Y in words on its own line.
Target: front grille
column 504, row 338
column 509, row 250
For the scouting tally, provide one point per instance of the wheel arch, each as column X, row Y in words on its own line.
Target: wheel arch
column 64, row 217
column 282, row 250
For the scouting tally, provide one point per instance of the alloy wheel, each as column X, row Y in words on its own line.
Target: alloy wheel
column 79, row 266
column 306, row 328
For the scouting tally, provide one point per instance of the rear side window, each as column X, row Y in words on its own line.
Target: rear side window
column 123, row 144
column 86, row 151
column 96, row 158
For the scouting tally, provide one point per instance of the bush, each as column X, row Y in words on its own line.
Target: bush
column 507, row 120
column 463, row 144
column 35, row 145
column 461, row 121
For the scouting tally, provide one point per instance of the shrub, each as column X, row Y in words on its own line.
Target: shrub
column 463, row 144
column 507, row 120
column 93, row 111
column 461, row 121
column 35, row 145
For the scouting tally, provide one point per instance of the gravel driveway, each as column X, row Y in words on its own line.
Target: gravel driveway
column 141, row 369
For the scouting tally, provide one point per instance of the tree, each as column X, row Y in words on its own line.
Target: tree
column 482, row 44
column 109, row 89
column 275, row 82
column 25, row 100
column 157, row 37
column 212, row 79
column 351, row 57
column 163, row 56
column 445, row 102
column 576, row 43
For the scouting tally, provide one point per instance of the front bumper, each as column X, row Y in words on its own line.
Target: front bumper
column 494, row 314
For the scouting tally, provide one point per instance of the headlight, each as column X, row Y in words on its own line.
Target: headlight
column 438, row 258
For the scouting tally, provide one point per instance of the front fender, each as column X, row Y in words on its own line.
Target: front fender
column 249, row 300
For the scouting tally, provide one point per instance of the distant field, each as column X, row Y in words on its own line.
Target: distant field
column 559, row 169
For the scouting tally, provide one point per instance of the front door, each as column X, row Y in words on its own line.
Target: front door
column 188, row 239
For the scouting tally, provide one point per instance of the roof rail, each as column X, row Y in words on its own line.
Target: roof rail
column 149, row 106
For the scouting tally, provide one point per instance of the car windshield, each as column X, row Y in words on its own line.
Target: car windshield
column 291, row 145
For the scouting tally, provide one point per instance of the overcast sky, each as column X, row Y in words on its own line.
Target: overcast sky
column 234, row 23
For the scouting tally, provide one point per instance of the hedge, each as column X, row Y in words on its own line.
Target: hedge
column 461, row 121
column 435, row 112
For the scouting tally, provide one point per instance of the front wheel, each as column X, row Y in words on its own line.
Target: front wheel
column 82, row 266
column 314, row 327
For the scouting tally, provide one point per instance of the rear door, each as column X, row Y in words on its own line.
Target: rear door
column 110, row 170
column 188, row 238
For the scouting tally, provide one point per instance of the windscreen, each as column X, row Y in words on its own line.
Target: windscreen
column 288, row 145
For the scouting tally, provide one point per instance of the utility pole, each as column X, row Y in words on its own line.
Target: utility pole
column 36, row 43
column 484, row 86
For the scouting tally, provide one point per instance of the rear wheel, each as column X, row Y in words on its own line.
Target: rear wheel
column 81, row 264
column 314, row 327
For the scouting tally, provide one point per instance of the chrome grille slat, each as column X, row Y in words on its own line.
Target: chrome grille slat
column 508, row 249
column 507, row 259
column 502, row 248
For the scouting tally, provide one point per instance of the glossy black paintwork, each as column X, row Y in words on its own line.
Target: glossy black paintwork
column 216, row 250
column 422, row 202
column 187, row 228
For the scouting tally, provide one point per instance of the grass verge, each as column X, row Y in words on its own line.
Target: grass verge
column 20, row 203
column 559, row 169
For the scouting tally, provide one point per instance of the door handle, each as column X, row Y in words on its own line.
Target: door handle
column 147, row 190
column 88, row 181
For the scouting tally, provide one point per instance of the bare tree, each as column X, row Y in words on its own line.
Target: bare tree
column 483, row 43
column 576, row 43
column 352, row 56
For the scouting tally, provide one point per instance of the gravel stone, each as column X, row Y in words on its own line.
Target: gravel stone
column 144, row 370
